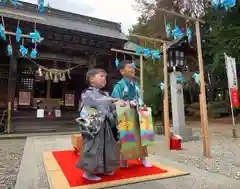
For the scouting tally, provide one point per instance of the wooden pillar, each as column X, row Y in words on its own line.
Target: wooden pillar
column 203, row 105
column 12, row 80
column 141, row 74
column 166, row 108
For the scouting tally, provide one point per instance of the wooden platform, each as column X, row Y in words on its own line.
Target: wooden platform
column 57, row 180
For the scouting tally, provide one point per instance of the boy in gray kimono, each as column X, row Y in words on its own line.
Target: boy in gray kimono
column 99, row 154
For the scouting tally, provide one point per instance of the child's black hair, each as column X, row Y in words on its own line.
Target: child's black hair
column 93, row 72
column 123, row 63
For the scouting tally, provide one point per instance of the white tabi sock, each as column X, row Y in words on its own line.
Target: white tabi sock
column 91, row 176
column 146, row 163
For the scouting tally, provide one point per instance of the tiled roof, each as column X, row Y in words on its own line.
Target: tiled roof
column 66, row 20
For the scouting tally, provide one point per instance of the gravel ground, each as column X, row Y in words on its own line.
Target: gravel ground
column 225, row 161
column 225, row 152
column 10, row 158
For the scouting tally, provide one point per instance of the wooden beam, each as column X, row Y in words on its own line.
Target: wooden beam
column 76, row 47
column 147, row 38
column 23, row 35
column 63, row 58
column 124, row 52
column 180, row 15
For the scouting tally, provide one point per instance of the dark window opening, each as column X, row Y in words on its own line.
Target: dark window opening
column 40, row 89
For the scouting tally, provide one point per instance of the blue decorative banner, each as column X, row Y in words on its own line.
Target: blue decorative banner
column 155, row 54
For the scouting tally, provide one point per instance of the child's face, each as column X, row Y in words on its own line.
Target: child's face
column 99, row 80
column 128, row 71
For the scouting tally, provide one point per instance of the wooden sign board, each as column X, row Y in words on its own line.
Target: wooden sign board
column 69, row 99
column 24, row 98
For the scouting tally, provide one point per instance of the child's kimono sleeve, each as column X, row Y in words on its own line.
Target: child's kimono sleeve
column 101, row 103
column 117, row 91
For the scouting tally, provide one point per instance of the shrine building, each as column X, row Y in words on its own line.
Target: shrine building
column 71, row 42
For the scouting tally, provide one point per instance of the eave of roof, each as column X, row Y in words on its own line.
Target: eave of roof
column 63, row 19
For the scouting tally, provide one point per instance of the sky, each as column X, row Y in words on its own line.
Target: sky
column 120, row 11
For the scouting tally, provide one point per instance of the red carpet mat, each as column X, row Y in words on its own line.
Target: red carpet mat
column 67, row 161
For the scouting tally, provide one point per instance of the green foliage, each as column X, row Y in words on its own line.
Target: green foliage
column 220, row 34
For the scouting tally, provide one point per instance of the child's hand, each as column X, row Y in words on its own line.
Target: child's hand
column 115, row 99
column 133, row 103
column 122, row 103
column 144, row 108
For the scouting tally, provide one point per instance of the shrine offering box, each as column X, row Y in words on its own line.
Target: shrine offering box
column 77, row 142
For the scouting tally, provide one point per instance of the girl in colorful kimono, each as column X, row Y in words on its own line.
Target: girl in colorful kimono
column 128, row 90
column 99, row 154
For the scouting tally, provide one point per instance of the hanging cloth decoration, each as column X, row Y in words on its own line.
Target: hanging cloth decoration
column 161, row 85
column 215, row 3
column 23, row 50
column 169, row 30
column 134, row 66
column 55, row 80
column 189, row 34
column 69, row 75
column 146, row 52
column 117, row 62
column 40, row 74
column 138, row 50
column 62, row 77
column 13, row 2
column 155, row 54
column 47, row 76
column 177, row 33
column 196, row 77
column 41, row 6
column 33, row 53
column 2, row 32
column 227, row 4
column 18, row 34
column 9, row 50
column 9, row 47
column 35, row 36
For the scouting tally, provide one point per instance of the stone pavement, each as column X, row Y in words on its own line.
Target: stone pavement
column 32, row 174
